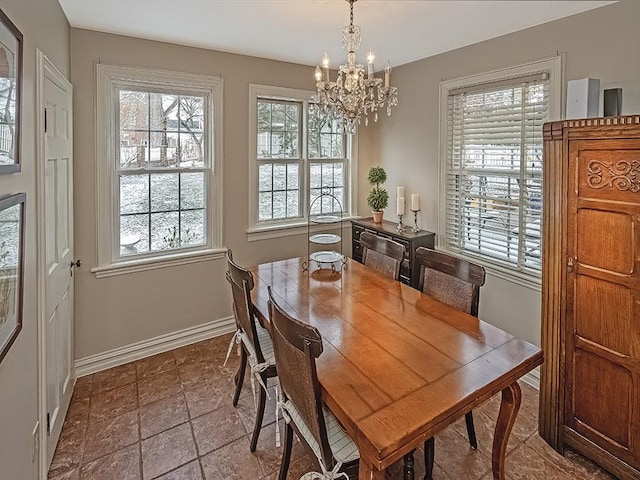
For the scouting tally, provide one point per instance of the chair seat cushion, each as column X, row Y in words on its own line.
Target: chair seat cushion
column 342, row 446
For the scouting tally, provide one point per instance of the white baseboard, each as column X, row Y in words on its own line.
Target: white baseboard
column 533, row 378
column 146, row 348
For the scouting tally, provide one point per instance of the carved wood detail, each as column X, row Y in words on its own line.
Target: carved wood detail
column 603, row 121
column 623, row 175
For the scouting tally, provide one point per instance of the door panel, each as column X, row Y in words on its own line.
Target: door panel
column 606, row 240
column 603, row 299
column 58, row 220
column 602, row 398
column 53, row 368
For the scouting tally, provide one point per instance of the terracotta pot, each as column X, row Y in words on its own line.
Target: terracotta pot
column 377, row 216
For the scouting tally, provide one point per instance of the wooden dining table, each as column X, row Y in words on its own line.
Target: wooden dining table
column 397, row 366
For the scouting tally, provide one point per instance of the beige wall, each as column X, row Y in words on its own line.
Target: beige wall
column 120, row 310
column 602, row 43
column 116, row 311
column 43, row 26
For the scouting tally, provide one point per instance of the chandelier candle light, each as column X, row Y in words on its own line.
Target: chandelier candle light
column 353, row 95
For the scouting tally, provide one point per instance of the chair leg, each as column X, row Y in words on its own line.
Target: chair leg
column 471, row 430
column 409, row 472
column 239, row 378
column 429, row 458
column 262, row 398
column 286, row 452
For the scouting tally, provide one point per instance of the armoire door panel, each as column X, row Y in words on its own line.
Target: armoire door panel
column 604, row 313
column 611, row 174
column 602, row 399
column 605, row 240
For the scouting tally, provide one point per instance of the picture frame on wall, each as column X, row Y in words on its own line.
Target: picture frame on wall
column 12, row 225
column 10, row 95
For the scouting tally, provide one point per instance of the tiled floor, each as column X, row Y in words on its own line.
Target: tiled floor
column 170, row 417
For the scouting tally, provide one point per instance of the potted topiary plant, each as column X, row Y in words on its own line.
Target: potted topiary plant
column 378, row 198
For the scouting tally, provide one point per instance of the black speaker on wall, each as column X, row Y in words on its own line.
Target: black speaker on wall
column 612, row 102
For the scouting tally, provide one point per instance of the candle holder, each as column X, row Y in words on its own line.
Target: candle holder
column 415, row 228
column 400, row 227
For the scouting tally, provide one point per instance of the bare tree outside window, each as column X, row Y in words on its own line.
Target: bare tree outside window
column 161, row 172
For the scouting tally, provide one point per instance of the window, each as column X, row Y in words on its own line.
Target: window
column 493, row 165
column 296, row 154
column 158, row 148
column 280, row 160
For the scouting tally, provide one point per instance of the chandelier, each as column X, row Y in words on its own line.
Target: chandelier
column 353, row 95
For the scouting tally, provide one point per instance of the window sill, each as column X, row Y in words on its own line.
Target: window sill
column 298, row 228
column 528, row 281
column 170, row 260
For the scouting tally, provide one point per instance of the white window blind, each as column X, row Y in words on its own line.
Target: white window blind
column 493, row 171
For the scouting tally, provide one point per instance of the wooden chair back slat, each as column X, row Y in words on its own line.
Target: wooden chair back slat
column 382, row 254
column 453, row 281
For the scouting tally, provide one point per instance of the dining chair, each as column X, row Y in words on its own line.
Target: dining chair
column 382, row 254
column 454, row 282
column 297, row 345
column 256, row 346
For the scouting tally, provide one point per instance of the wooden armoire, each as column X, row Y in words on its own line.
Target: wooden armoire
column 590, row 382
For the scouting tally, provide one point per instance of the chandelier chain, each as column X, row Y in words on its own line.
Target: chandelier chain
column 351, row 17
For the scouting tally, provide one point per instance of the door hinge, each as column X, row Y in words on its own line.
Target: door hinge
column 45, row 120
column 48, row 423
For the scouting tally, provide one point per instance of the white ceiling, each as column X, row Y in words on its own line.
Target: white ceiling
column 300, row 31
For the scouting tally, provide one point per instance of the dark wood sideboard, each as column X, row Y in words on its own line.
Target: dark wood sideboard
column 410, row 269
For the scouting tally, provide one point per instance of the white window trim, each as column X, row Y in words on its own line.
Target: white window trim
column 282, row 228
column 109, row 78
column 555, row 67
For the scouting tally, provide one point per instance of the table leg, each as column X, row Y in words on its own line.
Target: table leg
column 511, row 399
column 366, row 472
column 409, row 472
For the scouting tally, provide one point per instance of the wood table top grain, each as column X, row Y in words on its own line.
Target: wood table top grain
column 398, row 366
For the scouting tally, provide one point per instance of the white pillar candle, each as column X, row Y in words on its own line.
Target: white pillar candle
column 370, row 58
column 400, row 192
column 400, row 209
column 415, row 201
column 325, row 65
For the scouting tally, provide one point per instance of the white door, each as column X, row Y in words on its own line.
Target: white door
column 57, row 250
